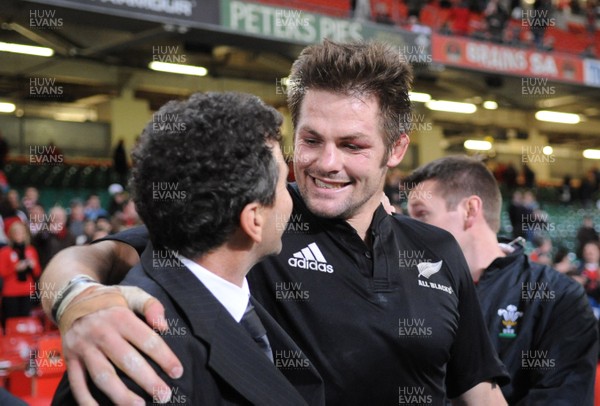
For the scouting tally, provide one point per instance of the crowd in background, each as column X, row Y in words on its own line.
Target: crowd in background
column 31, row 234
column 499, row 21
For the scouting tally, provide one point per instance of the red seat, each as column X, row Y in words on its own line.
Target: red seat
column 33, row 366
column 396, row 10
column 23, row 325
column 49, row 365
column 15, row 367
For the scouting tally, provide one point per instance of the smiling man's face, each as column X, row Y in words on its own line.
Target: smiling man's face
column 339, row 154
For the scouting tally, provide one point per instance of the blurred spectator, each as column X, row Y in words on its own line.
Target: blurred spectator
column 15, row 204
column 118, row 198
column 128, row 217
column 510, row 177
column 496, row 17
column 586, row 233
column 8, row 215
column 575, row 7
column 588, row 274
column 590, row 17
column 512, row 34
column 564, row 262
column 517, row 213
column 4, row 186
column 414, row 7
column 96, row 229
column 3, row 151
column 566, row 190
column 30, row 198
column 93, row 209
column 528, row 176
column 590, row 260
column 19, row 269
column 54, row 235
column 496, row 168
column 382, row 14
column 587, row 189
column 539, row 21
column 103, row 224
column 589, row 51
column 76, row 218
column 460, row 17
column 120, row 165
column 8, row 209
column 89, row 229
column 99, row 233
column 542, row 251
column 596, row 174
column 530, row 201
column 535, row 220
column 549, row 44
column 415, row 26
column 37, row 219
column 361, row 9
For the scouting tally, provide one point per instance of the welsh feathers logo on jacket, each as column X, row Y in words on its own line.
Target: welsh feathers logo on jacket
column 509, row 320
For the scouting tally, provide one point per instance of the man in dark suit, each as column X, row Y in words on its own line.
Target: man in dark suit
column 209, row 181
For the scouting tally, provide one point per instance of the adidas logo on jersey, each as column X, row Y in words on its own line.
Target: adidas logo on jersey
column 310, row 258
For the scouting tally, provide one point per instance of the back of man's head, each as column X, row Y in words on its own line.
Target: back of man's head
column 198, row 163
column 356, row 69
column 458, row 177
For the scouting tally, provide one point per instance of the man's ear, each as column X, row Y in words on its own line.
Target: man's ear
column 398, row 150
column 252, row 221
column 473, row 209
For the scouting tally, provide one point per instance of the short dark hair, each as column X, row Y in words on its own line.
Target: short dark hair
column 458, row 177
column 210, row 153
column 538, row 240
column 358, row 68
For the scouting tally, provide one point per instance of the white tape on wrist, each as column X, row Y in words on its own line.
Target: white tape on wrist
column 73, row 293
column 65, row 293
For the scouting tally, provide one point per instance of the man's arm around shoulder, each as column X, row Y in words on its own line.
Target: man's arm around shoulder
column 484, row 393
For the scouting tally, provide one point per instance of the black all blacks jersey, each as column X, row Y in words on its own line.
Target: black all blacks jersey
column 395, row 324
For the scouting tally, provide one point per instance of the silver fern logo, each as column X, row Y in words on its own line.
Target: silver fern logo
column 426, row 269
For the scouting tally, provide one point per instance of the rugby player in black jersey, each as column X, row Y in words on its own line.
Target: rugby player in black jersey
column 538, row 319
column 384, row 307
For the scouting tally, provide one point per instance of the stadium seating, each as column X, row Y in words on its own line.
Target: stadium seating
column 15, row 355
column 31, row 361
column 23, row 326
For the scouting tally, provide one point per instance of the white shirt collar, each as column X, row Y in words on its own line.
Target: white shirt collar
column 232, row 297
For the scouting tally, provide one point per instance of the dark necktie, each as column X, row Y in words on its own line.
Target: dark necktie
column 251, row 322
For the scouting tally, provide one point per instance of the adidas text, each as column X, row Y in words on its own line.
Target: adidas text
column 309, row 264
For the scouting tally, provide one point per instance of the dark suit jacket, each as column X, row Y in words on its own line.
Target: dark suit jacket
column 222, row 364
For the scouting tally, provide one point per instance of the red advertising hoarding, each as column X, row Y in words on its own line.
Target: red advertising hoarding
column 489, row 57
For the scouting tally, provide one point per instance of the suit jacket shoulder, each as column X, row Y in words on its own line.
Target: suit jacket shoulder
column 222, row 364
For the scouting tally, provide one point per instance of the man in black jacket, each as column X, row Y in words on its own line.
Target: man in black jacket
column 211, row 213
column 538, row 319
